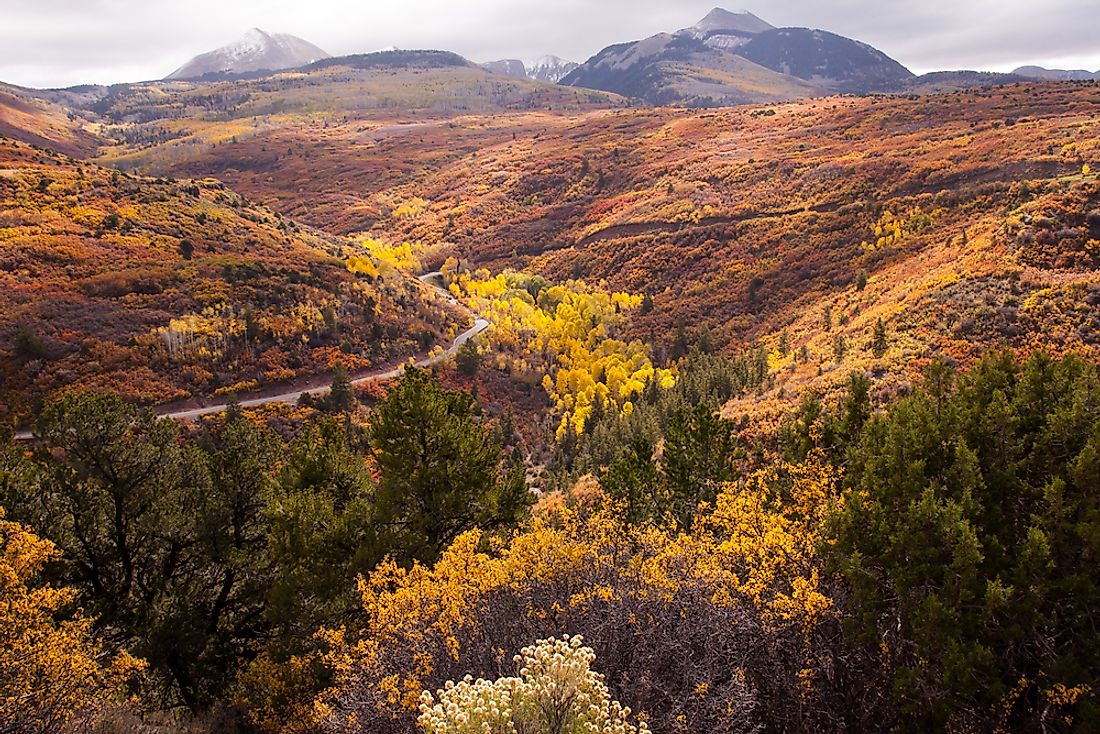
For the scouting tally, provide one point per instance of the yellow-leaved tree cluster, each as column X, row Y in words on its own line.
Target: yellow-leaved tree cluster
column 53, row 672
column 565, row 333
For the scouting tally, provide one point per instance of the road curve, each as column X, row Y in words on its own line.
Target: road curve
column 291, row 396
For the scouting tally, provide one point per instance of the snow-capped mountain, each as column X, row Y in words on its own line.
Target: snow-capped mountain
column 734, row 58
column 550, row 69
column 719, row 19
column 256, row 51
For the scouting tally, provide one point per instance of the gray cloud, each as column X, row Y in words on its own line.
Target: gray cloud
column 65, row 42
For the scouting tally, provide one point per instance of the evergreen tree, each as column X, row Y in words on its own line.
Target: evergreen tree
column 840, row 347
column 467, row 358
column 632, row 479
column 970, row 542
column 122, row 498
column 680, row 345
column 440, row 470
column 698, row 458
column 321, row 536
column 342, row 395
column 878, row 341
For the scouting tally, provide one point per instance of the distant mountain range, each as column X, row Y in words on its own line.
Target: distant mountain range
column 256, row 51
column 726, row 58
column 549, row 69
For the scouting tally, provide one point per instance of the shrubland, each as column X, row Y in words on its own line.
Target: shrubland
column 199, row 551
column 965, row 215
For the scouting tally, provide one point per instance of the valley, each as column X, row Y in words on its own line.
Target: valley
column 736, row 379
column 746, row 223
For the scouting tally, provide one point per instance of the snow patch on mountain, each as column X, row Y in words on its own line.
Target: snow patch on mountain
column 720, row 19
column 550, row 68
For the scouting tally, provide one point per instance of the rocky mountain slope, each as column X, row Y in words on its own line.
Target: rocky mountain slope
column 507, row 67
column 550, row 69
column 833, row 62
column 684, row 70
column 723, row 29
column 725, row 58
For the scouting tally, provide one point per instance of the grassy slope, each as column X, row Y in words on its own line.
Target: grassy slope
column 168, row 122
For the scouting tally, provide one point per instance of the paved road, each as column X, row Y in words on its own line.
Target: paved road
column 291, row 396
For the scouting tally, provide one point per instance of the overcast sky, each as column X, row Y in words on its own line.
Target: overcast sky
column 47, row 43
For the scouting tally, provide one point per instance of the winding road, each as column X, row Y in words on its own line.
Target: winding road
column 291, row 396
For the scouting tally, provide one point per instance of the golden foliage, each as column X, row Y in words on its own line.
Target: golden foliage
column 362, row 265
column 757, row 548
column 565, row 333
column 893, row 229
column 51, row 667
column 402, row 257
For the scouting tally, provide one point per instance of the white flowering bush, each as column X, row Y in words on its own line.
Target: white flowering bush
column 556, row 692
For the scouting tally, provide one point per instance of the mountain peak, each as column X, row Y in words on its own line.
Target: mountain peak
column 721, row 19
column 550, row 68
column 256, row 50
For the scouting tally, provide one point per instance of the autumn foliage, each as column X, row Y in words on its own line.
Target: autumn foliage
column 54, row 673
column 165, row 290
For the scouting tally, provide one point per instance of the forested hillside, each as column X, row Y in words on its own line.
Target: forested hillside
column 924, row 564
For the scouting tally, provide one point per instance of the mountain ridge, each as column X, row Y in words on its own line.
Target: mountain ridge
column 1058, row 75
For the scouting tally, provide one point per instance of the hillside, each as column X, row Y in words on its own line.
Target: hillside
column 745, row 222
column 27, row 116
column 831, row 61
column 507, row 67
column 163, row 289
column 685, row 71
column 1056, row 75
column 161, row 122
